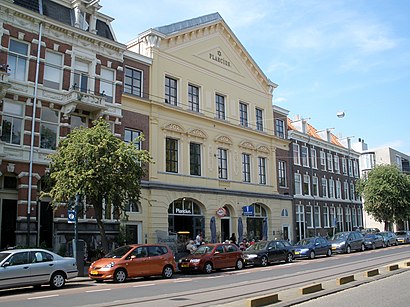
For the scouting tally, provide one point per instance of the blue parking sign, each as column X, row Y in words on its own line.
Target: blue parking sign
column 71, row 216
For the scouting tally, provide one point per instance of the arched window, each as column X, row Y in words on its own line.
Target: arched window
column 284, row 212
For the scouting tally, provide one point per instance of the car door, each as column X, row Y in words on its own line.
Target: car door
column 41, row 266
column 137, row 262
column 156, row 260
column 15, row 271
column 271, row 250
column 219, row 257
column 231, row 255
column 320, row 246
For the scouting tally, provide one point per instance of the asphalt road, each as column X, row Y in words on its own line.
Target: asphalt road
column 218, row 288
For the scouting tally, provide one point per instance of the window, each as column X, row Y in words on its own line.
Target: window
column 300, row 221
column 193, row 97
column 81, row 76
column 305, row 156
column 348, row 219
column 282, row 174
column 344, row 167
column 359, row 217
column 259, row 119
column 296, row 154
column 352, row 192
column 354, row 217
column 355, row 169
column 323, row 160
column 195, row 159
column 284, row 213
column 306, row 185
column 325, row 210
column 280, row 128
column 317, row 216
column 19, row 258
column 329, row 162
column 350, row 167
column 17, row 60
column 332, row 217
column 132, row 206
column 315, row 182
column 324, row 187
column 53, row 70
column 78, row 121
column 346, row 190
column 331, row 188
column 243, row 114
column 246, row 168
column 222, row 163
column 313, row 157
column 298, row 184
column 262, row 170
column 12, row 124
column 170, row 91
column 309, row 217
column 107, row 84
column 338, row 189
column 220, row 106
column 133, row 82
column 49, row 128
column 132, row 136
column 171, row 155
column 337, row 167
column 340, row 225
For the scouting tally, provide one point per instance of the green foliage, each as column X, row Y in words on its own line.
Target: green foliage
column 386, row 193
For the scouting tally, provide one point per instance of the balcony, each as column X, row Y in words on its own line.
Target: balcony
column 4, row 80
column 76, row 99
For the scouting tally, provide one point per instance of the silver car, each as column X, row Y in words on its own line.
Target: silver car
column 35, row 267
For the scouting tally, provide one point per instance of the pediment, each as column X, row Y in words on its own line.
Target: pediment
column 197, row 133
column 173, row 127
column 223, row 139
column 247, row 145
column 264, row 149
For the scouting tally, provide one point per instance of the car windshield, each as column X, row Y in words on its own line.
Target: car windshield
column 339, row 236
column 203, row 249
column 306, row 242
column 119, row 252
column 369, row 236
column 401, row 233
column 384, row 234
column 257, row 246
column 3, row 256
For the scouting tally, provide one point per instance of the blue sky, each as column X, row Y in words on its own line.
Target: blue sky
column 326, row 56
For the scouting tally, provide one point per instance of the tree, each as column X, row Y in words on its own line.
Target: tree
column 100, row 167
column 386, row 193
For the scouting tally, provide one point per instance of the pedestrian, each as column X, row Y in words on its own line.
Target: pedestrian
column 198, row 239
column 233, row 238
column 191, row 247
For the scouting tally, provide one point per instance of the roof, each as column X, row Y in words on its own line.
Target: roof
column 190, row 23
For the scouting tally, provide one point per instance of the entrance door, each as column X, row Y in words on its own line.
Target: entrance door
column 8, row 223
column 46, row 224
column 285, row 230
column 225, row 229
column 131, row 236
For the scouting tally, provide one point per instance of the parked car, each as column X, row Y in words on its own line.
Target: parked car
column 403, row 236
column 345, row 242
column 135, row 260
column 208, row 257
column 35, row 267
column 312, row 247
column 389, row 237
column 373, row 241
column 264, row 252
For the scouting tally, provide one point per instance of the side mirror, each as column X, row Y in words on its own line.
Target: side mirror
column 133, row 257
column 216, row 253
column 6, row 264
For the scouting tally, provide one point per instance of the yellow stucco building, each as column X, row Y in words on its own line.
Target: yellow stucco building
column 211, row 134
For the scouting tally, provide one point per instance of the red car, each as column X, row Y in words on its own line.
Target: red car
column 212, row 256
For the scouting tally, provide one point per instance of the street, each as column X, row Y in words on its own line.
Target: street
column 223, row 287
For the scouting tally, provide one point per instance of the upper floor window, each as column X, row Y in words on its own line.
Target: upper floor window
column 324, row 187
column 296, row 154
column 306, row 185
column 193, row 97
column 355, row 169
column 329, row 162
column 337, row 167
column 133, row 82
column 323, row 160
column 331, row 188
column 344, row 166
column 49, row 128
column 171, row 155
column 315, row 185
column 338, row 189
column 313, row 157
column 107, row 84
column 262, row 170
column 259, row 119
column 78, row 121
column 246, row 168
column 171, row 91
column 195, row 159
column 350, row 165
column 298, row 184
column 53, row 70
column 346, row 190
column 280, row 128
column 243, row 114
column 282, row 181
column 222, row 163
column 12, row 123
column 17, row 60
column 305, row 156
column 81, row 76
column 220, row 106
column 131, row 136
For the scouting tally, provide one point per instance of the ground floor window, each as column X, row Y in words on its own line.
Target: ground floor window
column 185, row 216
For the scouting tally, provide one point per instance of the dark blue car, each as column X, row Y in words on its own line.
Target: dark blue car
column 312, row 247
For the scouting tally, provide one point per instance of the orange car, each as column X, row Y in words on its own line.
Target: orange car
column 140, row 260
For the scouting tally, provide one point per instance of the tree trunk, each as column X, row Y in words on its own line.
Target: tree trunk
column 100, row 224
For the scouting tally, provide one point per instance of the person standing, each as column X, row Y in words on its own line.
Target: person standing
column 233, row 238
column 198, row 239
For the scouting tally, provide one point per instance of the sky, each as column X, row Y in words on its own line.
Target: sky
column 350, row 56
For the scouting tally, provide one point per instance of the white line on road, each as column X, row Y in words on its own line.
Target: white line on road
column 183, row 280
column 211, row 277
column 40, row 297
column 99, row 290
column 146, row 285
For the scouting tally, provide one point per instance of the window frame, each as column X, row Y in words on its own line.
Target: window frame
column 298, row 184
column 50, row 68
column 313, row 157
column 171, row 91
column 280, row 128
column 133, row 137
column 195, row 164
column 262, row 170
column 107, row 85
column 17, row 73
column 246, row 167
column 15, row 120
column 282, row 178
column 243, row 114
column 46, row 123
column 220, row 106
column 259, row 119
column 306, row 185
column 171, row 155
column 296, row 153
column 193, row 97
column 222, row 163
column 135, row 83
column 304, row 153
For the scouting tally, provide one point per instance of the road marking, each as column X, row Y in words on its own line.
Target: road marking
column 183, row 280
column 146, row 285
column 99, row 290
column 40, row 297
column 211, row 277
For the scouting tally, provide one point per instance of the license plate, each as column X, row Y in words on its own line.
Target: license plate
column 93, row 272
column 297, row 253
column 184, row 265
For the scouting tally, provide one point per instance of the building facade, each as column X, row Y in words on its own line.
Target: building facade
column 324, row 170
column 211, row 135
column 61, row 69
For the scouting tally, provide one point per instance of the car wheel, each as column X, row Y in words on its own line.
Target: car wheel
column 289, row 258
column 120, row 275
column 312, row 255
column 348, row 249
column 329, row 252
column 168, row 271
column 57, row 280
column 384, row 244
column 208, row 268
column 373, row 246
column 264, row 261
column 396, row 243
column 239, row 264
column 362, row 247
column 388, row 243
